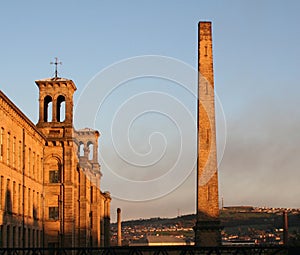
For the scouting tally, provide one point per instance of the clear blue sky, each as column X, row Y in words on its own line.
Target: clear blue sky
column 257, row 60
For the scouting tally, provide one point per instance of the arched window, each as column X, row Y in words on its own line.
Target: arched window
column 54, row 170
column 61, row 109
column 81, row 149
column 47, row 109
column 91, row 150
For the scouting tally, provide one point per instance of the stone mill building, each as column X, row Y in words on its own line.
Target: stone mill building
column 49, row 175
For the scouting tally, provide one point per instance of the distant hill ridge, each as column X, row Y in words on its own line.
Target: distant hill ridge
column 231, row 217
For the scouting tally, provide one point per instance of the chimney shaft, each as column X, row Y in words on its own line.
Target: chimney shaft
column 207, row 229
column 119, row 236
column 285, row 228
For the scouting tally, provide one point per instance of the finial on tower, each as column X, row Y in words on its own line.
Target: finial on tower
column 56, row 63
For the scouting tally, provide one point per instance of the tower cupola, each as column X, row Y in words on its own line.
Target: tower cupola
column 55, row 101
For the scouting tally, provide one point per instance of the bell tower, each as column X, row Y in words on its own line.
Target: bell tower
column 60, row 160
column 55, row 104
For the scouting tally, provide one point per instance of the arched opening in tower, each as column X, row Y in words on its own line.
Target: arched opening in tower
column 61, row 109
column 81, row 149
column 47, row 109
column 91, row 150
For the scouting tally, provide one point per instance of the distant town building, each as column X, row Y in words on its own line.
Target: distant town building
column 49, row 175
column 158, row 240
column 239, row 208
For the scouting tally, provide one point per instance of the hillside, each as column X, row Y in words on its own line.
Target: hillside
column 229, row 220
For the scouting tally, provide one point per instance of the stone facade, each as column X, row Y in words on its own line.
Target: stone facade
column 22, row 176
column 207, row 229
column 50, row 191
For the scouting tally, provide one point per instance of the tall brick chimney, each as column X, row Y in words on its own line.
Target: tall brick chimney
column 207, row 229
column 285, row 228
column 119, row 233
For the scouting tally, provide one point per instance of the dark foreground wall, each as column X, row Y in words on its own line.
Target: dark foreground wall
column 156, row 250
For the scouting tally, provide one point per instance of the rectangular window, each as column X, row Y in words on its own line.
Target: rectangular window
column 34, row 210
column 37, row 167
column 8, row 197
column 33, row 238
column 1, row 235
column 41, row 201
column 14, row 200
column 37, row 205
column 14, row 152
column 91, row 219
column 1, row 184
column 1, row 143
column 29, row 202
column 92, row 194
column 53, row 213
column 38, row 238
column 41, row 167
column 19, row 236
column 7, row 149
column 33, row 165
column 14, row 239
column 29, row 159
column 2, row 192
column 29, row 237
column 19, row 155
column 19, row 199
column 54, row 176
column 8, row 235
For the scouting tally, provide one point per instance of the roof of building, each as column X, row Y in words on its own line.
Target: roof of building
column 21, row 114
column 86, row 129
column 56, row 80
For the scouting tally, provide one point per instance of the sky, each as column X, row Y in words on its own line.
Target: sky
column 136, row 61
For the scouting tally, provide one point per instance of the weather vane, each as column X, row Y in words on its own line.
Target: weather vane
column 56, row 63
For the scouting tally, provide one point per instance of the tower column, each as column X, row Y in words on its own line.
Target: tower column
column 54, row 110
column 69, row 110
column 41, row 109
column 95, row 148
column 207, row 229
